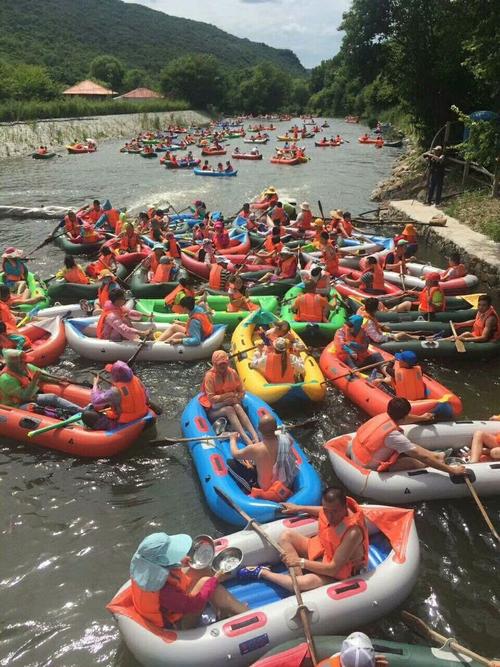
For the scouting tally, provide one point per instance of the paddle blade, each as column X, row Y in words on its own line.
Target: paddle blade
column 260, row 317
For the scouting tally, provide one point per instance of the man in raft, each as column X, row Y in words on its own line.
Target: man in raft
column 198, row 328
column 167, row 592
column 352, row 344
column 357, row 651
column 221, row 396
column 371, row 280
column 338, row 551
column 311, row 306
column 380, row 444
column 485, row 446
column 275, row 467
column 486, row 325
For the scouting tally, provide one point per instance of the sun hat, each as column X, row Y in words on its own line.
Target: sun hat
column 12, row 253
column 280, row 344
column 157, row 552
column 402, row 242
column 336, row 215
column 319, row 222
column 305, row 206
column 356, row 322
column 409, row 229
column 270, row 190
column 219, row 357
column 407, row 357
column 105, row 273
column 357, row 651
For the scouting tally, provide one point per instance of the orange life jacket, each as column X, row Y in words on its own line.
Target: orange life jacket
column 75, row 275
column 425, row 303
column 408, row 382
column 129, row 243
column 369, row 439
column 480, row 321
column 310, row 308
column 334, row 661
column 181, row 582
column 90, row 235
column 173, row 249
column 71, row 226
column 273, row 372
column 378, row 277
column 162, row 274
column 7, row 318
column 103, row 294
column 279, row 214
column 239, row 302
column 270, row 246
column 102, row 319
column 288, row 267
column 306, row 220
column 215, row 277
column 171, row 297
column 331, row 259
column 277, row 492
column 112, row 216
column 347, row 225
column 104, row 262
column 147, row 604
column 229, row 383
column 329, row 538
column 343, row 336
column 133, row 403
column 206, row 325
column 154, row 262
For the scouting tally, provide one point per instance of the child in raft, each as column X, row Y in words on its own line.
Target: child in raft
column 238, row 299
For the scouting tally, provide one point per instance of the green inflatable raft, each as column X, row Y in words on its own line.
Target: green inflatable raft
column 37, row 289
column 64, row 292
column 144, row 290
column 444, row 349
column 217, row 303
column 71, row 248
column 398, row 654
column 336, row 317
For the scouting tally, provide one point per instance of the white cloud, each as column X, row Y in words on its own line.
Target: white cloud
column 308, row 27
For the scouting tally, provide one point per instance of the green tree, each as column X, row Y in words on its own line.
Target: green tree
column 109, row 70
column 31, row 82
column 196, row 78
column 136, row 78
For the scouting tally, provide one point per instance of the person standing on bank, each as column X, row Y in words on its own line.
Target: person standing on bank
column 436, row 159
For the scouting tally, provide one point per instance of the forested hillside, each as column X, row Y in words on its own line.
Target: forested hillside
column 66, row 35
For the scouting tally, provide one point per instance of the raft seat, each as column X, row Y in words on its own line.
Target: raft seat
column 259, row 593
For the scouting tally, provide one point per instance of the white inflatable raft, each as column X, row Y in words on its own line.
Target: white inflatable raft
column 272, row 617
column 81, row 337
column 426, row 483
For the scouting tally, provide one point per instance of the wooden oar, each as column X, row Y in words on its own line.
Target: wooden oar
column 143, row 342
column 128, row 278
column 421, row 628
column 175, row 441
column 402, row 274
column 303, row 610
column 53, row 427
column 459, row 344
column 356, row 370
column 482, row 509
column 49, row 238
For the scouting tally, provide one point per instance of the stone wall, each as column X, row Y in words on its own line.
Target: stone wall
column 22, row 138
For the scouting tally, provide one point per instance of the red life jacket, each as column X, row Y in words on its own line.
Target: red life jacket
column 112, row 216
column 71, row 226
column 229, row 383
column 7, row 318
column 75, row 275
column 378, row 278
column 305, row 220
column 273, row 372
column 162, row 274
column 221, row 240
column 206, row 325
column 369, row 440
column 215, row 277
column 270, row 246
column 329, row 538
column 90, row 235
column 133, row 404
column 279, row 214
column 102, row 318
column 288, row 267
column 347, row 225
column 425, row 303
column 147, row 604
column 310, row 308
column 277, row 492
column 129, row 243
column 6, row 343
column 480, row 322
column 330, row 257
column 173, row 249
column 408, row 382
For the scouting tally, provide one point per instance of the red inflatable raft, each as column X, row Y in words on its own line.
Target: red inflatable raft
column 213, row 151
column 48, row 340
column 373, row 398
column 246, row 156
column 72, row 439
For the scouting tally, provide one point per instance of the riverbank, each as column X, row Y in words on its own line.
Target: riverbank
column 19, row 139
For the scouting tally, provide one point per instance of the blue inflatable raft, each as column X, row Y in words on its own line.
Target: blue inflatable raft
column 202, row 172
column 210, row 460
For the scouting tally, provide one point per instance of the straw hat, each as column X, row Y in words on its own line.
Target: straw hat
column 270, row 190
column 336, row 214
column 105, row 273
column 305, row 206
column 319, row 222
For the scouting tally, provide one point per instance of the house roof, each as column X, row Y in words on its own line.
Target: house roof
column 88, row 87
column 140, row 93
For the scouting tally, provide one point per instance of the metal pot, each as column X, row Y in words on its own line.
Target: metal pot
column 202, row 552
column 228, row 560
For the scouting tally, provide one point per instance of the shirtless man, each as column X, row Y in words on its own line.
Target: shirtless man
column 274, row 465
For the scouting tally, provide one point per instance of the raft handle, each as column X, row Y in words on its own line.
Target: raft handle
column 29, row 423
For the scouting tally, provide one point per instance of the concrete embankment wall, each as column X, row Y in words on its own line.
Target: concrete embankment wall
column 22, row 138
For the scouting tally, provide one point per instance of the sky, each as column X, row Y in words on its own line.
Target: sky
column 307, row 27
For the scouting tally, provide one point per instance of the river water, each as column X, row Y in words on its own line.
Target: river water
column 68, row 527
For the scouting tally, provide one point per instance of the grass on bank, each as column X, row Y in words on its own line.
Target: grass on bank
column 477, row 209
column 13, row 110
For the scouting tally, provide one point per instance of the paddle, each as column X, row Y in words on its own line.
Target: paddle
column 127, row 279
column 143, row 342
column 355, row 370
column 53, row 427
column 482, row 509
column 459, row 344
column 49, row 238
column 402, row 274
column 421, row 628
column 303, row 610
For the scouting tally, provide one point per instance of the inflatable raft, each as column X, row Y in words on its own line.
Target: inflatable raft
column 311, row 388
column 336, row 318
column 48, row 340
column 444, row 349
column 42, row 156
column 144, row 290
column 210, row 458
column 425, row 483
column 219, row 174
column 272, row 619
column 246, row 156
column 218, row 304
column 414, row 281
column 373, row 398
column 459, row 309
column 67, row 293
column 77, row 149
column 71, row 248
column 81, row 337
column 283, row 160
column 397, row 654
column 73, row 439
column 36, row 288
column 213, row 151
